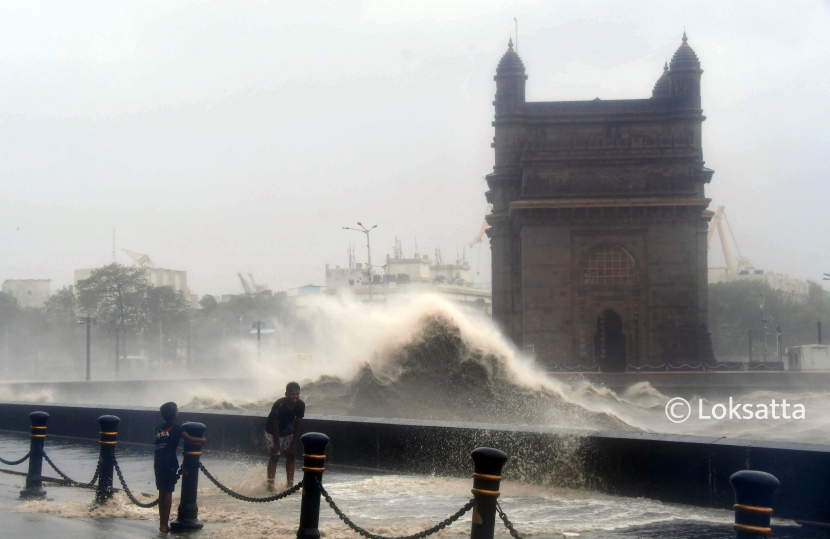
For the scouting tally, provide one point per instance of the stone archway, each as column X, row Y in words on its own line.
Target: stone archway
column 609, row 342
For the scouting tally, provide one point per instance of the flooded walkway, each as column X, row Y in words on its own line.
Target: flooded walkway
column 388, row 504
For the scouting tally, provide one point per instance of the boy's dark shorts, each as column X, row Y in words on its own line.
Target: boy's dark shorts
column 166, row 476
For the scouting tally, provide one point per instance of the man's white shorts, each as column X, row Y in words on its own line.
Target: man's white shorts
column 285, row 443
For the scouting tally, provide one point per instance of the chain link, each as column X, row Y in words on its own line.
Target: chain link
column 69, row 481
column 507, row 523
column 242, row 497
column 15, row 462
column 130, row 494
column 369, row 535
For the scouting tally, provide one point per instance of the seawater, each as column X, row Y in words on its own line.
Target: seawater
column 423, row 358
column 390, row 504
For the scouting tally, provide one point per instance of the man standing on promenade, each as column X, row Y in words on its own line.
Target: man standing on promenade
column 283, row 423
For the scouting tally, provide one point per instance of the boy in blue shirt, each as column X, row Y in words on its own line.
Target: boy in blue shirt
column 166, row 464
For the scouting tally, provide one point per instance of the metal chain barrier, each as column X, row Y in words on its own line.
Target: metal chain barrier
column 15, row 462
column 420, row 535
column 130, row 494
column 69, row 481
column 242, row 497
column 507, row 523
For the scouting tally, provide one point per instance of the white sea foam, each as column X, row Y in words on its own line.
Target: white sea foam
column 348, row 336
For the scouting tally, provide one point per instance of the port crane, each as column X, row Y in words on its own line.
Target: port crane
column 140, row 259
column 257, row 287
column 251, row 287
column 249, row 290
column 740, row 264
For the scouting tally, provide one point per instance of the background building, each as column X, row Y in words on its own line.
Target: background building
column 413, row 270
column 599, row 222
column 792, row 289
column 28, row 292
column 338, row 278
column 458, row 273
column 414, row 275
column 155, row 276
column 303, row 295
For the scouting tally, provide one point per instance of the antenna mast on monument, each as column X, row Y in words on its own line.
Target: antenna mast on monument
column 517, row 34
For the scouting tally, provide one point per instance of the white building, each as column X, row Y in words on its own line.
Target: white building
column 408, row 270
column 338, row 278
column 304, row 295
column 28, row 292
column 473, row 298
column 793, row 289
column 155, row 276
column 414, row 275
column 808, row 357
column 451, row 273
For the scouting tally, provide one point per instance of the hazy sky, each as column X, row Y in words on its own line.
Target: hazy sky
column 241, row 136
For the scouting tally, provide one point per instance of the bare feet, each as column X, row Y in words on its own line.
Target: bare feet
column 164, row 529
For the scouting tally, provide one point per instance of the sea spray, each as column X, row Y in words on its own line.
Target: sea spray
column 423, row 357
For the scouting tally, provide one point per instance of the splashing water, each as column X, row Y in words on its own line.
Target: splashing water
column 422, row 357
column 409, row 504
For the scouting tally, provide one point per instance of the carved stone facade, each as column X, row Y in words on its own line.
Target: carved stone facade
column 599, row 222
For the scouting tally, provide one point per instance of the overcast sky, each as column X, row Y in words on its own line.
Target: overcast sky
column 241, row 136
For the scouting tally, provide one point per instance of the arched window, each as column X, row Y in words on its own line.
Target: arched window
column 609, row 264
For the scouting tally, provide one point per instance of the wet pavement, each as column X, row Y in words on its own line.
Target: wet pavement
column 388, row 504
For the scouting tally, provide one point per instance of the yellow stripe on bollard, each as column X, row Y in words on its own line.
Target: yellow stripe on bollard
column 751, row 529
column 752, row 509
column 485, row 492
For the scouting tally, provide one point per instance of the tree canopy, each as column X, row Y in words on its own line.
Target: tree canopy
column 115, row 293
column 735, row 308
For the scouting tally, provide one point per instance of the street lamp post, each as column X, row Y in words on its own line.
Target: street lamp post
column 779, row 350
column 190, row 345
column 764, row 322
column 117, row 347
column 258, row 326
column 89, row 322
column 366, row 231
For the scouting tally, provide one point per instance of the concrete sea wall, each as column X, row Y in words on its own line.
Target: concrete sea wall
column 689, row 384
column 672, row 468
column 673, row 384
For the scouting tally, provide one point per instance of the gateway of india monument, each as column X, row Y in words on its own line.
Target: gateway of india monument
column 599, row 222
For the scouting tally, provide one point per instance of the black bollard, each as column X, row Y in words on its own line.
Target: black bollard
column 188, row 515
column 34, row 479
column 753, row 503
column 106, row 462
column 486, row 480
column 314, row 464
